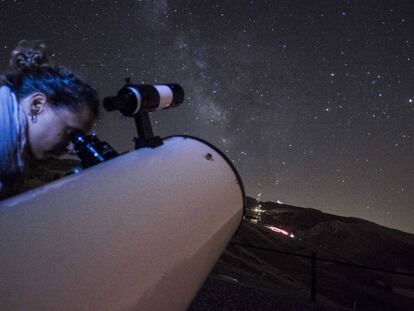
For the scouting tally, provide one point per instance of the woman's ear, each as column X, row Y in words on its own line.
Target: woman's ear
column 33, row 105
column 37, row 103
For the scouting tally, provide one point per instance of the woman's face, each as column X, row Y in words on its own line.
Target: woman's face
column 49, row 134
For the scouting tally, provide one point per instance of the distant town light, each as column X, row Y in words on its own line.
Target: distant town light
column 278, row 230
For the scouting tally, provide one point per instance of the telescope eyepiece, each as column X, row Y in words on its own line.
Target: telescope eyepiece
column 110, row 103
column 91, row 150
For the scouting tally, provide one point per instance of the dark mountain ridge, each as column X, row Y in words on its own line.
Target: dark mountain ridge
column 291, row 234
column 357, row 240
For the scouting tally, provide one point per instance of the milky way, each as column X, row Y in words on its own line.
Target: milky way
column 312, row 101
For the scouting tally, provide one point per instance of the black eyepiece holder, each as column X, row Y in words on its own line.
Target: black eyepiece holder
column 91, row 150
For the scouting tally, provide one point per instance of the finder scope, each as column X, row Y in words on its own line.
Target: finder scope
column 135, row 98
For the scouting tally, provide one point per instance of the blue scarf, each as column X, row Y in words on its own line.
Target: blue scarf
column 13, row 125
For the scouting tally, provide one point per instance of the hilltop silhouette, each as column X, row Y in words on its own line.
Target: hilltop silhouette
column 281, row 279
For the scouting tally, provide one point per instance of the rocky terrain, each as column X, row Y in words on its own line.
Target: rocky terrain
column 285, row 273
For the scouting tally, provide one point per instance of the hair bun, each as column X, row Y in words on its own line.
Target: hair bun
column 29, row 54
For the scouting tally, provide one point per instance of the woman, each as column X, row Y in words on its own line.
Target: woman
column 40, row 107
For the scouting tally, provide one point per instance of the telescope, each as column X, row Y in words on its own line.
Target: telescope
column 135, row 231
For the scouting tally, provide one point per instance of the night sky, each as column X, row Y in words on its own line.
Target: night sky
column 313, row 101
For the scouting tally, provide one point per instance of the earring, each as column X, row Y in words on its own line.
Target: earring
column 33, row 118
column 33, row 114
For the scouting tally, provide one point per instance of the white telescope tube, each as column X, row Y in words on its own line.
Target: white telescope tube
column 139, row 232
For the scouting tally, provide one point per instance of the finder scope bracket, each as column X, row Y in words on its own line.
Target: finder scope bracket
column 146, row 136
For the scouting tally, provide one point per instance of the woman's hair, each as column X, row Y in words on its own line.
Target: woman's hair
column 30, row 72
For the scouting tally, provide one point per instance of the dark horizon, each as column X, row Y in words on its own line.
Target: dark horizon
column 286, row 204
